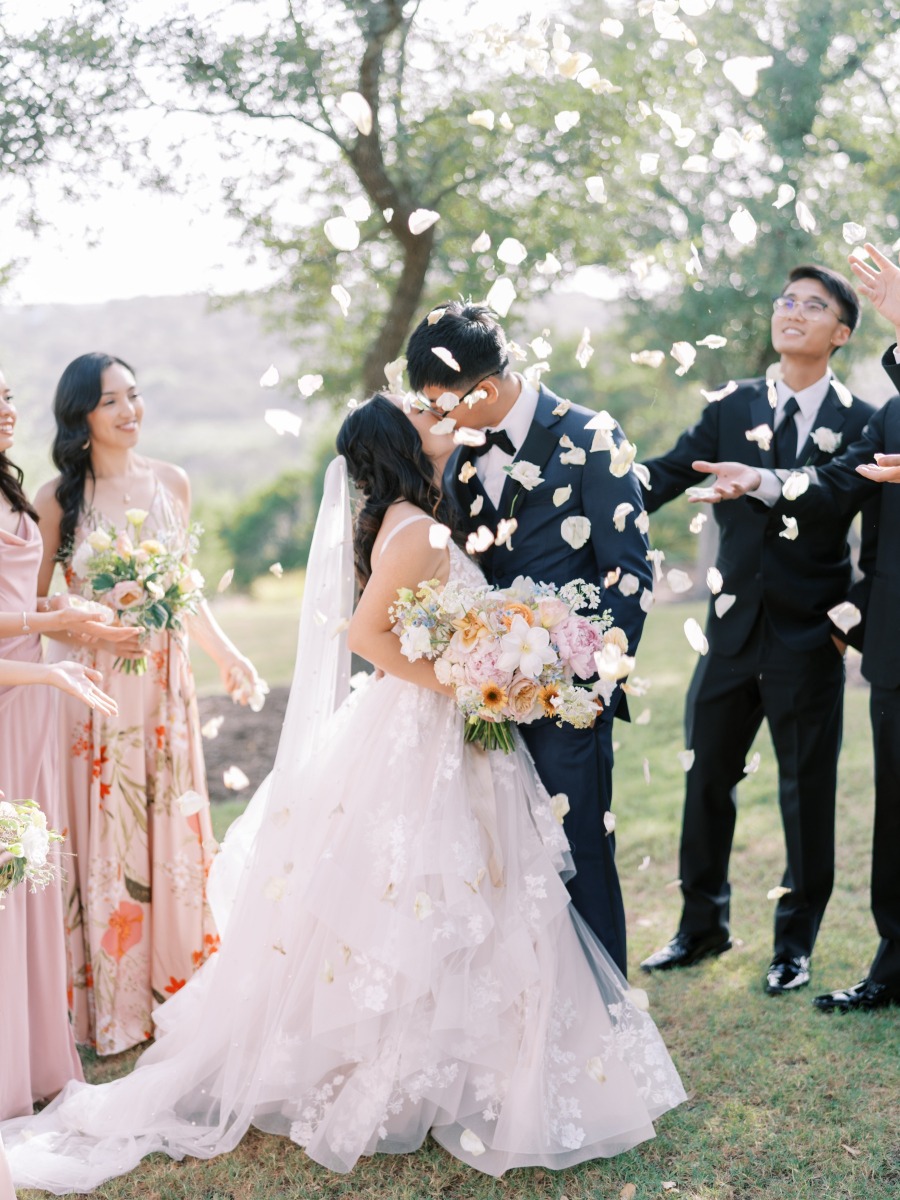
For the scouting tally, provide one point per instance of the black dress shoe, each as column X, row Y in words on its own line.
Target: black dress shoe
column 685, row 949
column 866, row 994
column 787, row 974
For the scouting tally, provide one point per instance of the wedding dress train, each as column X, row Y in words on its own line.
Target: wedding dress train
column 399, row 955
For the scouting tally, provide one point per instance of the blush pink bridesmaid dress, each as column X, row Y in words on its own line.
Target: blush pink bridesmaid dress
column 37, row 1049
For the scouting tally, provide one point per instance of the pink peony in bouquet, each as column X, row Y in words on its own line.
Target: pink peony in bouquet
column 511, row 655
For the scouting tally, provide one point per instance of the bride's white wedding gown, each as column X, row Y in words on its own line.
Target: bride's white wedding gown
column 400, row 957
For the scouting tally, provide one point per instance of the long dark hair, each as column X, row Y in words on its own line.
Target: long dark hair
column 77, row 394
column 387, row 462
column 11, row 478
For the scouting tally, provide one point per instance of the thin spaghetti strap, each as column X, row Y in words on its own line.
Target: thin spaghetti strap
column 402, row 525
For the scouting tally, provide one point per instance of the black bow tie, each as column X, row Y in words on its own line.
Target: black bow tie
column 495, row 437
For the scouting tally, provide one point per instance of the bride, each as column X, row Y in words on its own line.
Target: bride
column 399, row 953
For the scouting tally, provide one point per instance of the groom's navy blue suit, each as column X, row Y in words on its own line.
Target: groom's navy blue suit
column 575, row 761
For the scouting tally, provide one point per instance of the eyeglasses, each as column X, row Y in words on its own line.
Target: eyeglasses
column 425, row 405
column 811, row 309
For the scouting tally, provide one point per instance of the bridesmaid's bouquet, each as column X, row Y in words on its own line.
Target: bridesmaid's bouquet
column 148, row 583
column 25, row 844
column 511, row 655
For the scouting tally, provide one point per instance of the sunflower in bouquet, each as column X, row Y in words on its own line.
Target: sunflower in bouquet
column 147, row 582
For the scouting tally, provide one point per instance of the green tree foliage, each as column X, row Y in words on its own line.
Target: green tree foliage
column 275, row 523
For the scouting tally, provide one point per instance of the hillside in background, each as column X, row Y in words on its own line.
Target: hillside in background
column 199, row 371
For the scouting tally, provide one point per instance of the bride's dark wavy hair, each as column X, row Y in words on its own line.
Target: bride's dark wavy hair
column 77, row 394
column 387, row 462
column 11, row 478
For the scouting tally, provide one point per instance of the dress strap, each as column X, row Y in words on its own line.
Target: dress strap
column 402, row 525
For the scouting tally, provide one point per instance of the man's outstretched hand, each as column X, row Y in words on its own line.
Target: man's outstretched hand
column 733, row 479
column 885, row 469
column 880, row 283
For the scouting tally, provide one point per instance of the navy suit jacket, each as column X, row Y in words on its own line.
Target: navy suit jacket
column 838, row 492
column 794, row 582
column 538, row 548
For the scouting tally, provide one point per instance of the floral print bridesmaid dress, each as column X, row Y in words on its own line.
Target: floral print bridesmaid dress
column 138, row 920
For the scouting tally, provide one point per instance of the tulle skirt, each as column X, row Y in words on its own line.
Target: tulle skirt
column 399, row 956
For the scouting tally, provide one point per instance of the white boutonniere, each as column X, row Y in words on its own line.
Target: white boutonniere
column 525, row 473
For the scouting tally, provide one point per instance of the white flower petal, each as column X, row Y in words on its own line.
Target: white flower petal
column 211, row 728
column 422, row 219
column 629, row 584
column 610, row 27
column 355, row 106
column 483, row 117
column 423, row 906
column 728, row 145
column 309, row 384
column 269, row 377
column 649, row 358
column 283, row 421
column 713, row 397
column 795, row 485
column 342, row 296
column 639, row 998
column 596, row 189
column 805, row 218
column 842, row 392
column 695, row 636
column 786, row 193
column 776, row 893
column 342, row 233
column 620, row 514
column 791, row 529
column 501, row 296
column 751, row 767
column 505, row 529
column 686, row 759
column 723, row 603
column 761, row 434
column 562, row 494
column 559, row 806
column 277, row 570
column 743, row 72
column 464, row 436
column 679, row 581
column 713, row 341
column 621, row 459
column 481, row 243
column 480, row 540
column 697, row 521
column 566, row 120
column 743, row 226
column 609, row 822
column 576, row 531
column 642, row 521
column 853, row 233
column 235, row 779
column 476, row 506
column 446, row 357
column 471, row 1143
column 550, row 265
column 585, row 351
column 845, row 615
column 685, row 355
column 439, row 536
column 714, row 580
column 357, row 209
column 225, row 581
column 511, row 252
column 192, row 802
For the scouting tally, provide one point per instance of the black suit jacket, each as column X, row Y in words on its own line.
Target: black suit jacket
column 795, row 582
column 838, row 491
column 538, row 547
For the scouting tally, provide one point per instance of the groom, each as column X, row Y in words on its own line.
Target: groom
column 536, row 467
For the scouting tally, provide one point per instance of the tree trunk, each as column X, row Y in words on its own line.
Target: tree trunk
column 402, row 310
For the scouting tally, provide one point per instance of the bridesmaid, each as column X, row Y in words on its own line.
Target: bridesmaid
column 138, row 920
column 37, row 1052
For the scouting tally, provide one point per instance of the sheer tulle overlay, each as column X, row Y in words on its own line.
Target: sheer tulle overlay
column 400, row 956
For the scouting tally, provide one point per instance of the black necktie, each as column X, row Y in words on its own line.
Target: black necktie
column 496, row 437
column 784, row 443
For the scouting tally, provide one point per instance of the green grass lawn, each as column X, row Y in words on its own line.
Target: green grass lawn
column 785, row 1103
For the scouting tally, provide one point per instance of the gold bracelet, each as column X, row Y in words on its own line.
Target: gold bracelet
column 26, row 628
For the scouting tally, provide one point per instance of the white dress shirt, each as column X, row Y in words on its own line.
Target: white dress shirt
column 516, row 424
column 809, row 400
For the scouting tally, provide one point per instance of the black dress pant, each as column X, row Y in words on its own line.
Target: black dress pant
column 800, row 695
column 885, row 712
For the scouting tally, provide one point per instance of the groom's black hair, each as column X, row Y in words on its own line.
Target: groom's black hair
column 472, row 335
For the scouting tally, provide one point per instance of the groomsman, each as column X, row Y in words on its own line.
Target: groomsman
column 838, row 489
column 773, row 651
column 537, row 469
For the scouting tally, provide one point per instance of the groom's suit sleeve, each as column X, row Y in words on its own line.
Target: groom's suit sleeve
column 602, row 493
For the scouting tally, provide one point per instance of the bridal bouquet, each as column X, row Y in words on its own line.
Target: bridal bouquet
column 25, row 846
column 146, row 582
column 510, row 655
